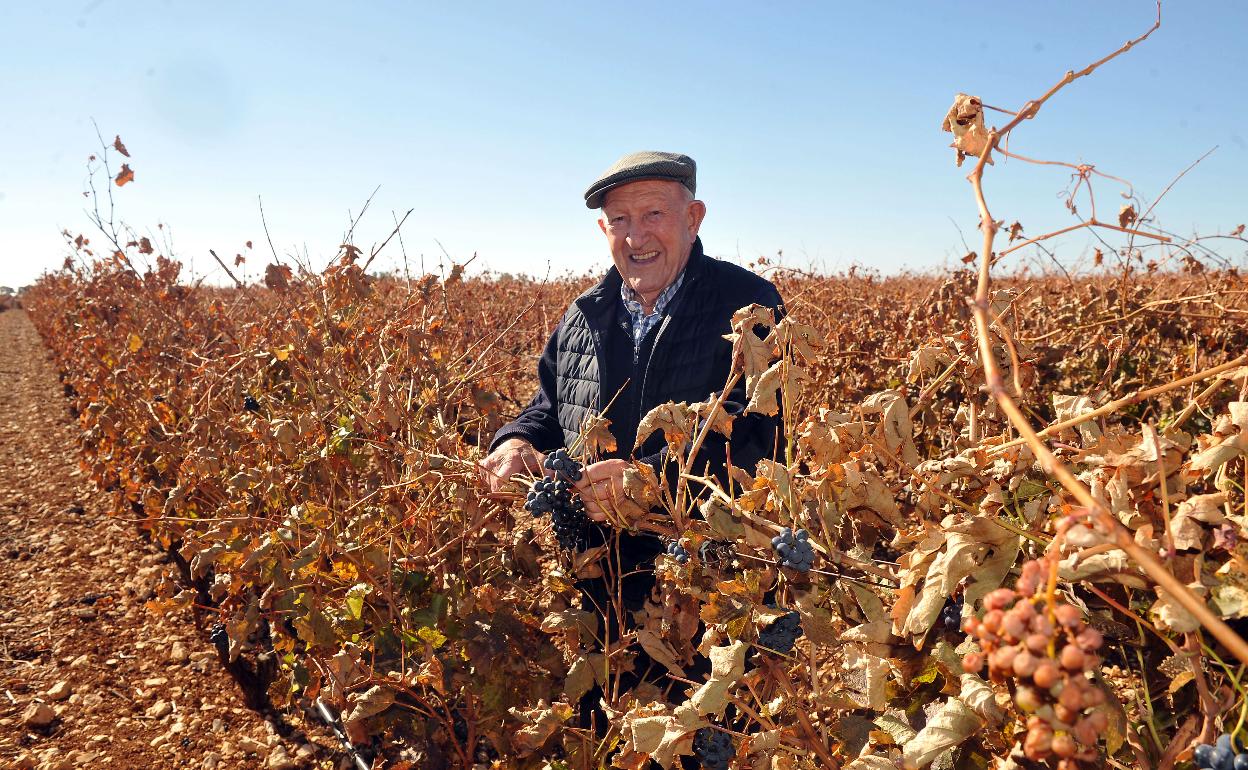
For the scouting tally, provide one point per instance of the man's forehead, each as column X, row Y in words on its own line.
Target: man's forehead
column 642, row 190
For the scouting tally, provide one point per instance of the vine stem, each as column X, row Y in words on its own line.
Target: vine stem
column 1136, row 398
column 994, row 383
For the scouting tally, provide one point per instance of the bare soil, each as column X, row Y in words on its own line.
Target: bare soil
column 88, row 676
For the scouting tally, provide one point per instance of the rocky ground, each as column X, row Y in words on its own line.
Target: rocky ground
column 88, row 676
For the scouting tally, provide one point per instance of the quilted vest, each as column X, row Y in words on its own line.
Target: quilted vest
column 688, row 359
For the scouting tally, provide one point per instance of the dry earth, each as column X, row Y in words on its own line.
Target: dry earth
column 88, row 677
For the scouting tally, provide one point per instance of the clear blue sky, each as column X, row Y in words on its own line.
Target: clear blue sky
column 816, row 126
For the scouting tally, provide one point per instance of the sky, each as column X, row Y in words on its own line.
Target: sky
column 815, row 126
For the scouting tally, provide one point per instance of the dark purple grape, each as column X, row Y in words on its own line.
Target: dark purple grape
column 713, row 748
column 782, row 634
column 1222, row 758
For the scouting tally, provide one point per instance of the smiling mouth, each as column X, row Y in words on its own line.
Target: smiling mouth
column 643, row 258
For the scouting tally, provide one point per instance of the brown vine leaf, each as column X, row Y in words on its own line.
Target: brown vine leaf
column 673, row 419
column 953, row 724
column 1127, row 215
column 125, row 176
column 800, row 338
column 663, row 736
column 596, row 436
column 587, row 670
column 277, row 277
column 659, row 650
column 540, row 723
column 783, row 376
column 363, row 706
column 720, row 519
column 722, row 423
column 727, row 667
column 751, row 354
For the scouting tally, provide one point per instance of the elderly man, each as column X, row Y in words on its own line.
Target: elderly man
column 650, row 332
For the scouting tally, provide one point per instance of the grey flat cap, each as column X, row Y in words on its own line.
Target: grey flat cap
column 644, row 165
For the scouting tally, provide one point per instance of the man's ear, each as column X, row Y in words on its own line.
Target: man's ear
column 602, row 224
column 696, row 213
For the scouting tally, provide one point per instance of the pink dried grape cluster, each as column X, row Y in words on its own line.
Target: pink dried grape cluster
column 1045, row 655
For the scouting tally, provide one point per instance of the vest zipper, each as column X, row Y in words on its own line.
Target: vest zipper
column 645, row 375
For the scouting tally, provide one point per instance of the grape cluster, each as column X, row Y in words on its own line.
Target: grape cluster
column 554, row 495
column 1227, row 753
column 547, row 495
column 220, row 639
column 714, row 748
column 794, row 549
column 781, row 635
column 1045, row 655
column 560, row 463
column 677, row 552
column 951, row 615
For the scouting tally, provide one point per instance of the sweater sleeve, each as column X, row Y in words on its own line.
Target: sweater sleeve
column 538, row 423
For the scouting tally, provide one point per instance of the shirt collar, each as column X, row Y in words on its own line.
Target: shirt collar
column 632, row 300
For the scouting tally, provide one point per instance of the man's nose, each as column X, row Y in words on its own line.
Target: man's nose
column 637, row 234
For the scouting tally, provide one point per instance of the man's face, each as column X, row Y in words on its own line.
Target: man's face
column 650, row 226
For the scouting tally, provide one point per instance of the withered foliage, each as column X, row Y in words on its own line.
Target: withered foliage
column 307, row 445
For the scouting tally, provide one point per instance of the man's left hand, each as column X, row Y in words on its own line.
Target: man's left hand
column 602, row 488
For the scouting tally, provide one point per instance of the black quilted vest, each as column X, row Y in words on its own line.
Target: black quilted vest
column 684, row 358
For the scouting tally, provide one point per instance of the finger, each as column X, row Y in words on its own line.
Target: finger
column 594, row 512
column 532, row 463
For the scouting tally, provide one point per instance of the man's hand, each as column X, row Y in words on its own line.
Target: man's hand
column 515, row 455
column 602, row 488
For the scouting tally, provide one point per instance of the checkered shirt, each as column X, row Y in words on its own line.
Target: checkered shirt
column 642, row 323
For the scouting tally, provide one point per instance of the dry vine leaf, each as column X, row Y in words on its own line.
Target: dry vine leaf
column 978, row 549
column 587, row 670
column 125, row 176
column 369, row 703
column 895, row 429
column 119, row 147
column 1127, row 215
column 865, row 677
column 663, row 736
column 954, row 723
column 798, row 337
column 659, row 650
column 540, row 722
column 750, row 353
column 871, row 762
column 722, row 422
column 727, row 667
column 927, row 360
column 965, row 119
column 672, row 419
column 596, row 436
column 1066, row 407
column 1228, row 440
column 781, row 376
column 1184, row 529
column 277, row 277
column 1170, row 615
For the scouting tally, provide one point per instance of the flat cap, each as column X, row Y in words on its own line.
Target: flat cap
column 644, row 165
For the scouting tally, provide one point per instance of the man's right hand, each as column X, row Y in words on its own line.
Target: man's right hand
column 515, row 455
